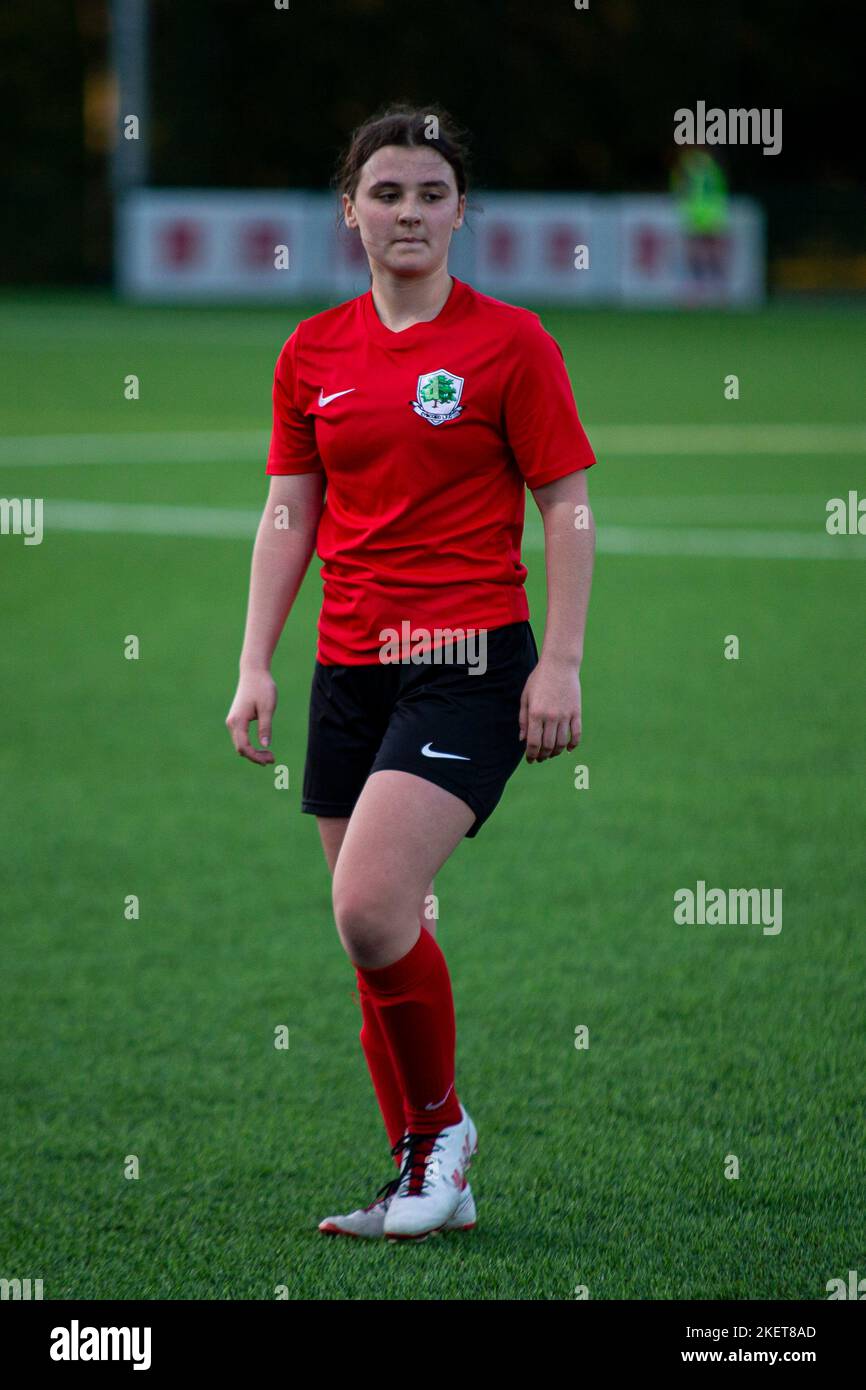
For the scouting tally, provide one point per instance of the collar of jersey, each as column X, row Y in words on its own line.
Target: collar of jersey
column 409, row 337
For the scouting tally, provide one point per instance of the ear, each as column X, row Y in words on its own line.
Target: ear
column 460, row 213
column 349, row 211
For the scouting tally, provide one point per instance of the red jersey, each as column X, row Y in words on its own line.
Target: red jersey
column 427, row 439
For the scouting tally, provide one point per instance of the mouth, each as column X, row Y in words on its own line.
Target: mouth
column 409, row 240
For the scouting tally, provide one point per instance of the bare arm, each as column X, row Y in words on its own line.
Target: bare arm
column 284, row 545
column 550, row 714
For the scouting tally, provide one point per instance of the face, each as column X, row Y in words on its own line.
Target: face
column 405, row 207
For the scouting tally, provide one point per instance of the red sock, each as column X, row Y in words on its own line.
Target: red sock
column 383, row 1073
column 416, row 1012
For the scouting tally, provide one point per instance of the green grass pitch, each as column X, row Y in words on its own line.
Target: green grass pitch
column 602, row 1167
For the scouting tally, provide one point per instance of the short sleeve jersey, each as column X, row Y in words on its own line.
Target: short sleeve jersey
column 427, row 439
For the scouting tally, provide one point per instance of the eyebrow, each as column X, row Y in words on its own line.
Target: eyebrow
column 395, row 183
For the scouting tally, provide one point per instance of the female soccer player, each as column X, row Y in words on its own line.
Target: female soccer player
column 407, row 424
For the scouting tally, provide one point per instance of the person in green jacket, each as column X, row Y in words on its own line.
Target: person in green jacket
column 700, row 187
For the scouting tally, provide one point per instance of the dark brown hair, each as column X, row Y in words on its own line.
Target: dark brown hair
column 402, row 124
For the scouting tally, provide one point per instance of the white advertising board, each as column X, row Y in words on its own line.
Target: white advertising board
column 553, row 248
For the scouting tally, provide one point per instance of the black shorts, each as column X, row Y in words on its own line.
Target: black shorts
column 441, row 721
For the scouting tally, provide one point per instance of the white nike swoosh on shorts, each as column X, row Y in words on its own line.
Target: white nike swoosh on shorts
column 429, row 753
column 323, row 399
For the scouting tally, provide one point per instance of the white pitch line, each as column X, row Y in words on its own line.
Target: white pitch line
column 165, row 446
column 732, row 508
column 124, row 518
column 729, row 439
column 638, row 441
column 710, row 542
column 150, row 519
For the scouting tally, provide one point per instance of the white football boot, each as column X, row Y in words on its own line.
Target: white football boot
column 432, row 1180
column 369, row 1222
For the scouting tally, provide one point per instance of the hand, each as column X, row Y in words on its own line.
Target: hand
column 550, row 719
column 255, row 699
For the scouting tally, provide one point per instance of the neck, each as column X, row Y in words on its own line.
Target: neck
column 402, row 300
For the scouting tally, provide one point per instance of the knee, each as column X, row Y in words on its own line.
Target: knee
column 365, row 918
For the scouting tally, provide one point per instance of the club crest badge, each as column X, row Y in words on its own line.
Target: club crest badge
column 438, row 396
